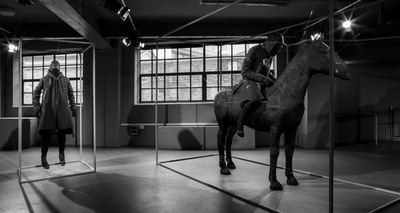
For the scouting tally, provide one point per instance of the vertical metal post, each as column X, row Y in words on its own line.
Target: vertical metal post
column 20, row 112
column 156, row 105
column 80, row 105
column 94, row 107
column 332, row 105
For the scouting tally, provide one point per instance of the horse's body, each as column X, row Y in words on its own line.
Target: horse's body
column 283, row 111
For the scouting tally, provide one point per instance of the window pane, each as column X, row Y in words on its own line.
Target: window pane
column 27, row 99
column 184, row 94
column 172, row 66
column 145, row 67
column 212, row 80
column 28, row 87
column 71, row 72
column 27, row 61
column 171, row 95
column 27, row 73
column 171, row 53
column 197, row 52
column 197, row 94
column 145, row 54
column 170, row 81
column 78, row 97
column 226, row 50
column 146, row 82
column 38, row 60
column 160, row 95
column 226, row 64
column 35, row 83
column 211, row 64
column 48, row 59
column 184, row 81
column 238, row 49
column 226, row 80
column 184, row 53
column 73, row 85
column 37, row 72
column 211, row 92
column 160, row 54
column 197, row 65
column 237, row 63
column 160, row 67
column 196, row 81
column 71, row 59
column 146, row 95
column 184, row 65
column 62, row 69
column 60, row 58
column 248, row 46
column 211, row 51
column 160, row 82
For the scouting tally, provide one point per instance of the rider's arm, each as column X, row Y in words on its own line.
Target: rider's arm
column 251, row 71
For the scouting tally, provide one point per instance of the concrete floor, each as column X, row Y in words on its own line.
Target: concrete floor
column 128, row 180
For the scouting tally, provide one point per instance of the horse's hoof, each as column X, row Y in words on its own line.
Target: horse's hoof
column 225, row 171
column 276, row 186
column 292, row 181
column 231, row 165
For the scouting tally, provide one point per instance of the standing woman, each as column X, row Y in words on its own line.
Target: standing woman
column 55, row 110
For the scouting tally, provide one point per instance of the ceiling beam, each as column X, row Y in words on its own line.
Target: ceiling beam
column 69, row 15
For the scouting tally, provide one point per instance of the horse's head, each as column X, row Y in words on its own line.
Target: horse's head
column 318, row 58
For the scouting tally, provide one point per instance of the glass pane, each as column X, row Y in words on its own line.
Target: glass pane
column 237, row 63
column 211, row 51
column 197, row 52
column 160, row 67
column 160, row 82
column 197, row 94
column 145, row 67
column 47, row 60
column 145, row 54
column 197, row 65
column 37, row 72
column 239, row 49
column 74, row 85
column 160, row 95
column 184, row 65
column 212, row 80
column 248, row 46
column 27, row 61
column 146, row 95
column 171, row 53
column 71, row 59
column 184, row 53
column 38, row 60
column 27, row 73
column 27, row 99
column 71, row 72
column 78, row 97
column 184, row 81
column 35, row 83
column 79, row 85
column 146, row 82
column 60, row 58
column 170, row 81
column 226, row 80
column 226, row 50
column 160, row 54
column 226, row 64
column 28, row 87
column 62, row 69
column 211, row 64
column 171, row 95
column 79, row 71
column 211, row 92
column 171, row 66
column 236, row 78
column 196, row 81
column 184, row 94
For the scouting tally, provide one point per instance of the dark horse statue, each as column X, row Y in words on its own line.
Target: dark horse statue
column 283, row 111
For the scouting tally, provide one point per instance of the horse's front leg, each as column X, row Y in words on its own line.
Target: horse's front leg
column 274, row 154
column 290, row 137
column 222, row 132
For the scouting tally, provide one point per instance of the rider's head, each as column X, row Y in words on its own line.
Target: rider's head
column 274, row 43
column 55, row 65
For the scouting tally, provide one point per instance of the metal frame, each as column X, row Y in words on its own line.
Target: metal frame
column 20, row 167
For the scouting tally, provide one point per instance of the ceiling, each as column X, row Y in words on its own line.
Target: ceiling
column 156, row 18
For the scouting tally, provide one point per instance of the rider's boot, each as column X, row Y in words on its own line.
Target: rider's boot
column 244, row 116
column 45, row 164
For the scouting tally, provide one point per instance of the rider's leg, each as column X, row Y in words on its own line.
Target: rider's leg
column 245, row 114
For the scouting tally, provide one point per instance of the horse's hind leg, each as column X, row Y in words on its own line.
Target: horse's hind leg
column 274, row 154
column 229, row 137
column 290, row 138
column 222, row 132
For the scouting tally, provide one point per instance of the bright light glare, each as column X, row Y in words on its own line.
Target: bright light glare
column 346, row 24
column 12, row 48
column 316, row 36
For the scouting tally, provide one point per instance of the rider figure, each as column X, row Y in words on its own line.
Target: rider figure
column 256, row 75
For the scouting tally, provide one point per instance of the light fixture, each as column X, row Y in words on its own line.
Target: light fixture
column 247, row 2
column 26, row 2
column 117, row 8
column 12, row 48
column 136, row 42
column 317, row 36
column 127, row 41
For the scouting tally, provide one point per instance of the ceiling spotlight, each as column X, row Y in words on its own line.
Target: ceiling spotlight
column 346, row 24
column 26, row 2
column 127, row 42
column 117, row 8
column 12, row 48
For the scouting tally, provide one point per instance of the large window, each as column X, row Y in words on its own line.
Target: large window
column 36, row 66
column 192, row 74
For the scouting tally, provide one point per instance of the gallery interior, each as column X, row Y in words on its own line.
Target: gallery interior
column 146, row 76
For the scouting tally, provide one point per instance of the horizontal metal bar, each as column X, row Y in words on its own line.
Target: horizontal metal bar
column 188, row 158
column 34, row 166
column 169, row 124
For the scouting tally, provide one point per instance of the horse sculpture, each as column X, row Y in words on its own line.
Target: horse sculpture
column 283, row 111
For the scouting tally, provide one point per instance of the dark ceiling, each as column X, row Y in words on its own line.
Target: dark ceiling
column 154, row 18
